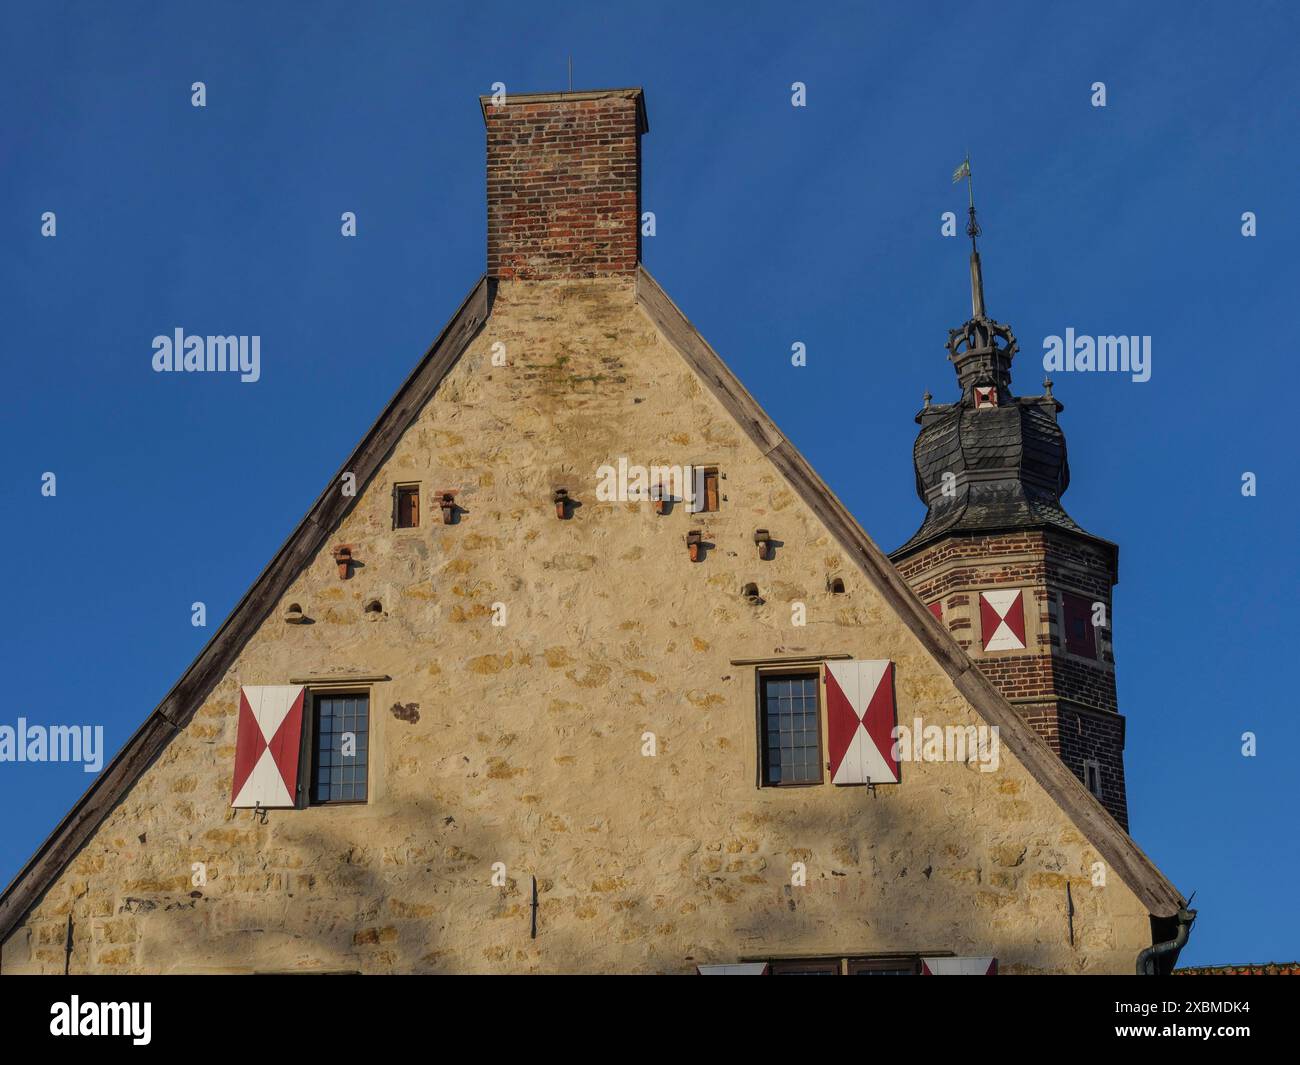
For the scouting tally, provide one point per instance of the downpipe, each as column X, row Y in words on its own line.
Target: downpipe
column 1147, row 961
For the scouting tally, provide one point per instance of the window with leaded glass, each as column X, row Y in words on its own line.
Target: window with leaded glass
column 791, row 729
column 340, row 748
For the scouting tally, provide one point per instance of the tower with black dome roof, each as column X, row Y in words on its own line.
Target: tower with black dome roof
column 1021, row 585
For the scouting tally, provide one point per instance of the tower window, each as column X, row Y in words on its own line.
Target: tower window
column 1080, row 633
column 408, row 506
column 986, row 396
column 1092, row 777
column 837, row 586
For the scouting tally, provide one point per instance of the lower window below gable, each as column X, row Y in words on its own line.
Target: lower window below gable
column 789, row 710
column 907, row 965
column 884, row 965
column 338, row 746
column 830, row 720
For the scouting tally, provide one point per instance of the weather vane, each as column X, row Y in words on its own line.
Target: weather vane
column 963, row 171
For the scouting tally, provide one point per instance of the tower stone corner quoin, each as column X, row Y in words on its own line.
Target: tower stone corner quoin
column 571, row 716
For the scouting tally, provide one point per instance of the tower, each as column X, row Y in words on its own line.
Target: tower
column 1023, row 588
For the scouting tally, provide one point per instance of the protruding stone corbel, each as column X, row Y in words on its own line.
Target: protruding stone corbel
column 447, row 501
column 764, row 541
column 343, row 556
column 560, row 497
column 695, row 544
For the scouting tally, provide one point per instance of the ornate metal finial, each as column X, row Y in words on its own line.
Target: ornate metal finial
column 926, row 399
column 1047, row 387
column 972, row 226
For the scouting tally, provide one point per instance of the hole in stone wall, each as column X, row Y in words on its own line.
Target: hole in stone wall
column 750, row 592
column 374, row 607
column 837, row 586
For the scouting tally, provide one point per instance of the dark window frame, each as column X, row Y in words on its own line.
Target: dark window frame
column 1092, row 767
column 877, row 966
column 806, row 967
column 762, row 678
column 311, row 752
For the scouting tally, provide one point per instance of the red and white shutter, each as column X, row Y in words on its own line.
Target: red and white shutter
column 860, row 722
column 1080, row 636
column 267, row 745
column 959, row 966
column 1002, row 619
column 986, row 397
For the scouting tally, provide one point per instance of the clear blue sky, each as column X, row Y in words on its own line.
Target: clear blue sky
column 775, row 225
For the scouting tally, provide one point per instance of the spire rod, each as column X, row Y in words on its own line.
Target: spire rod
column 973, row 231
column 972, row 227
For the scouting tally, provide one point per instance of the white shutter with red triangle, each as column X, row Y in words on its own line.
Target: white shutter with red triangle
column 860, row 722
column 959, row 966
column 268, row 745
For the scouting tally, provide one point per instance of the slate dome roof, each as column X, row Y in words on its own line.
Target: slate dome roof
column 1008, row 465
column 992, row 461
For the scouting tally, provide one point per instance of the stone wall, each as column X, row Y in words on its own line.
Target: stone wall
column 522, row 744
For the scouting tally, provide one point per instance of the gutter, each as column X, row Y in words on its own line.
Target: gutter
column 1148, row 961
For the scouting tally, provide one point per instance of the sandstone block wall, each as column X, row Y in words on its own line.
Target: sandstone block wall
column 521, row 744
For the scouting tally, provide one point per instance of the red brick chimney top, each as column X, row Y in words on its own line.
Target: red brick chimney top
column 564, row 183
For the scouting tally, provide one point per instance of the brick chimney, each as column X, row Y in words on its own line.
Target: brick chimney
column 564, row 184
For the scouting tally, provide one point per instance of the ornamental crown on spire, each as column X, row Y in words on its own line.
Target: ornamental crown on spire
column 981, row 349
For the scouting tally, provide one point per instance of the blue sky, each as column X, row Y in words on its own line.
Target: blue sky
column 775, row 224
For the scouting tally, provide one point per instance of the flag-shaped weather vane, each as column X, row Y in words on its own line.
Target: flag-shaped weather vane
column 963, row 171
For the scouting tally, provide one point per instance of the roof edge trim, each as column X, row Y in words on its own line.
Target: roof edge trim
column 214, row 661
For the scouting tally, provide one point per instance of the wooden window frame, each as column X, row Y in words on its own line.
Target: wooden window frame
column 763, row 673
column 399, row 490
column 307, row 764
column 705, row 484
column 712, row 491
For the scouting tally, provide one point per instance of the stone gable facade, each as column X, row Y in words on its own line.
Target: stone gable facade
column 573, row 701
